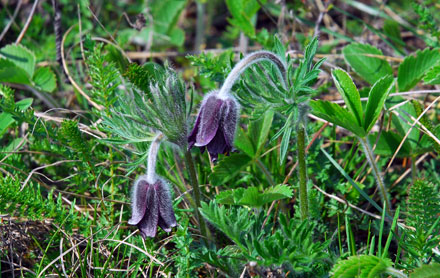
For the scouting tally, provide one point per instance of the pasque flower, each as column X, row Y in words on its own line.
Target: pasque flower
column 216, row 122
column 151, row 199
column 215, row 125
column 152, row 206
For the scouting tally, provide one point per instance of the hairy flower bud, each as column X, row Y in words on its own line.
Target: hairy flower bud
column 152, row 206
column 215, row 125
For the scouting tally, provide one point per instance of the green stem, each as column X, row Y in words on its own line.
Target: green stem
column 196, row 191
column 302, row 169
column 371, row 159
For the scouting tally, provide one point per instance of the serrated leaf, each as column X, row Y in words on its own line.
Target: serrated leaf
column 9, row 72
column 45, row 79
column 413, row 68
column 349, row 93
column 363, row 266
column 21, row 57
column 369, row 68
column 335, row 114
column 376, row 100
column 426, row 271
column 432, row 77
column 228, row 168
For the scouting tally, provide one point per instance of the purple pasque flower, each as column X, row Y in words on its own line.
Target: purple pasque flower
column 152, row 206
column 215, row 125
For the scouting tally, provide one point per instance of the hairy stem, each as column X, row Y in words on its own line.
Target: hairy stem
column 152, row 157
column 377, row 175
column 247, row 62
column 302, row 170
column 196, row 191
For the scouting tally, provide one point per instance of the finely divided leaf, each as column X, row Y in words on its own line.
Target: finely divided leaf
column 413, row 68
column 376, row 100
column 337, row 115
column 369, row 68
column 349, row 93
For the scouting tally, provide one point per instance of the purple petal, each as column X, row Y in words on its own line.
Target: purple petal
column 167, row 219
column 139, row 200
column 209, row 120
column 229, row 121
column 148, row 224
column 217, row 144
column 193, row 136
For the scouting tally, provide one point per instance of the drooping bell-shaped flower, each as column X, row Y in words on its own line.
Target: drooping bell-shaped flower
column 215, row 125
column 151, row 203
column 152, row 206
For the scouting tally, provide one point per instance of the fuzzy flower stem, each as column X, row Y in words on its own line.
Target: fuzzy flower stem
column 152, row 158
column 370, row 157
column 302, row 169
column 196, row 192
column 247, row 62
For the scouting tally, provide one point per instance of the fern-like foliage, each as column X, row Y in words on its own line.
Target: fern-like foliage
column 291, row 247
column 70, row 134
column 364, row 266
column 31, row 204
column 423, row 215
column 104, row 76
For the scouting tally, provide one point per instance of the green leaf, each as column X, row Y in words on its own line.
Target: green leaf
column 376, row 100
column 349, row 93
column 9, row 72
column 370, row 69
column 335, row 114
column 21, row 57
column 252, row 197
column 45, row 79
column 5, row 121
column 244, row 143
column 432, row 77
column 228, row 168
column 427, row 271
column 363, row 266
column 242, row 12
column 24, row 103
column 259, row 129
column 388, row 143
column 403, row 123
column 413, row 68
